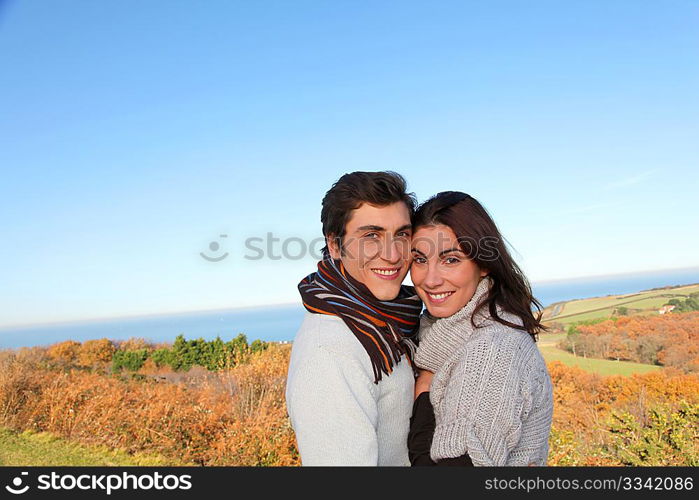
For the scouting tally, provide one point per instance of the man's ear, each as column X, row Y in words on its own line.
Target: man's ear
column 333, row 247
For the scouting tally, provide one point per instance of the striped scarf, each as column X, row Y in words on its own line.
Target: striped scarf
column 385, row 328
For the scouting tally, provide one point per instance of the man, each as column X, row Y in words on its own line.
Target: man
column 350, row 387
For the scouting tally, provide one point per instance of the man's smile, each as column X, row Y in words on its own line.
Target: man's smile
column 386, row 273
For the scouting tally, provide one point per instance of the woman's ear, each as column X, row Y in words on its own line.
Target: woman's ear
column 333, row 246
column 484, row 273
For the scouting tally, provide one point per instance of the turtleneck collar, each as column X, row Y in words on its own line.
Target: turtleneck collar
column 441, row 337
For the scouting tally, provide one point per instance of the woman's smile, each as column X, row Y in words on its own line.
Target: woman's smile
column 438, row 298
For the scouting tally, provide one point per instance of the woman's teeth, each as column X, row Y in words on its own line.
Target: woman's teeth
column 439, row 296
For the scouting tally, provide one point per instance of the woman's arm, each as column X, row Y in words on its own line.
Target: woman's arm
column 485, row 407
column 423, row 381
column 422, row 426
column 421, row 431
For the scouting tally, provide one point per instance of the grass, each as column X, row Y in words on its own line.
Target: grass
column 547, row 346
column 44, row 449
column 592, row 365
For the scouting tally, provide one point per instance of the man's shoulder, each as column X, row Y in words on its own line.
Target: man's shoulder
column 327, row 333
column 325, row 351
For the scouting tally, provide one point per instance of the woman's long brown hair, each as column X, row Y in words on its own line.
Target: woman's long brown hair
column 481, row 240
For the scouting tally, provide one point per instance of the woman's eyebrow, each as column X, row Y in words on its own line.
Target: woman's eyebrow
column 443, row 252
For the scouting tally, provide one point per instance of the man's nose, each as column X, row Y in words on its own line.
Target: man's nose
column 394, row 250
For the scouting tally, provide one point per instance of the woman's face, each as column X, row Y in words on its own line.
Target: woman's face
column 443, row 275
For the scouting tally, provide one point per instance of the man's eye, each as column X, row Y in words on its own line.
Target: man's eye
column 371, row 235
column 403, row 234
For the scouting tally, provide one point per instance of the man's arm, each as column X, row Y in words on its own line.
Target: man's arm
column 332, row 405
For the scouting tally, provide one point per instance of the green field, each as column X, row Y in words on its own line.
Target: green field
column 603, row 307
column 547, row 346
column 43, row 449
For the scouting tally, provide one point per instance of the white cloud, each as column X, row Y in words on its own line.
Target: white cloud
column 629, row 181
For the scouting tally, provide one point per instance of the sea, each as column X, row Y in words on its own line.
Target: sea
column 279, row 323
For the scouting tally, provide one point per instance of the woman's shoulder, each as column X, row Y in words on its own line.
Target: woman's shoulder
column 501, row 346
column 494, row 332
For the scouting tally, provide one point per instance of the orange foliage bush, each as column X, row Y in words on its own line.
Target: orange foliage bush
column 66, row 352
column 584, row 402
column 236, row 417
column 94, row 352
column 134, row 344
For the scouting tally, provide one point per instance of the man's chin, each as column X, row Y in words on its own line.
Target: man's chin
column 385, row 293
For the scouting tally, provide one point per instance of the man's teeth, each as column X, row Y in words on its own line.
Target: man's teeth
column 438, row 296
column 389, row 272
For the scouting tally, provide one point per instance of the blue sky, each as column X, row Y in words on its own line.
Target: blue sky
column 133, row 134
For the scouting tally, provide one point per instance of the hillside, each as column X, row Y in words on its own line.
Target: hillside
column 647, row 302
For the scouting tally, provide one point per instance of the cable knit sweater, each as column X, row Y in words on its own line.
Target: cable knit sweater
column 491, row 393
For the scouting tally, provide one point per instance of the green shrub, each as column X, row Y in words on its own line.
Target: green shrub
column 664, row 437
column 129, row 360
column 162, row 357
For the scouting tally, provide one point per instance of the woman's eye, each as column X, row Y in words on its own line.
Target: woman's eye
column 451, row 260
column 419, row 260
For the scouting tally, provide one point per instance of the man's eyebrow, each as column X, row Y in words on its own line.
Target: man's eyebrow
column 370, row 228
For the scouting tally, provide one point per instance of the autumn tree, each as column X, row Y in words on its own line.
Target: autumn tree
column 94, row 352
column 668, row 340
column 66, row 352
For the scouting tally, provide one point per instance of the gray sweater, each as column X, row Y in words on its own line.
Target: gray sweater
column 491, row 393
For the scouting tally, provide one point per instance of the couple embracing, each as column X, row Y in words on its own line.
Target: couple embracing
column 374, row 380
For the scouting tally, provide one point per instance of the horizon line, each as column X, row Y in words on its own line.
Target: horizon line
column 282, row 304
column 635, row 273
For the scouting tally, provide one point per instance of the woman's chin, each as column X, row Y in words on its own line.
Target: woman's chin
column 440, row 312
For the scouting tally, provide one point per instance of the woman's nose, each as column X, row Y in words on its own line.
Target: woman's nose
column 433, row 278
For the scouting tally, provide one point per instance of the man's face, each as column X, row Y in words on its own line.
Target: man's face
column 377, row 247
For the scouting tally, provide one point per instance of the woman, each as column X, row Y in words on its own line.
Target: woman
column 482, row 373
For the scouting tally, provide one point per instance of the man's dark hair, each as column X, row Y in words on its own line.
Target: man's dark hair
column 351, row 190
